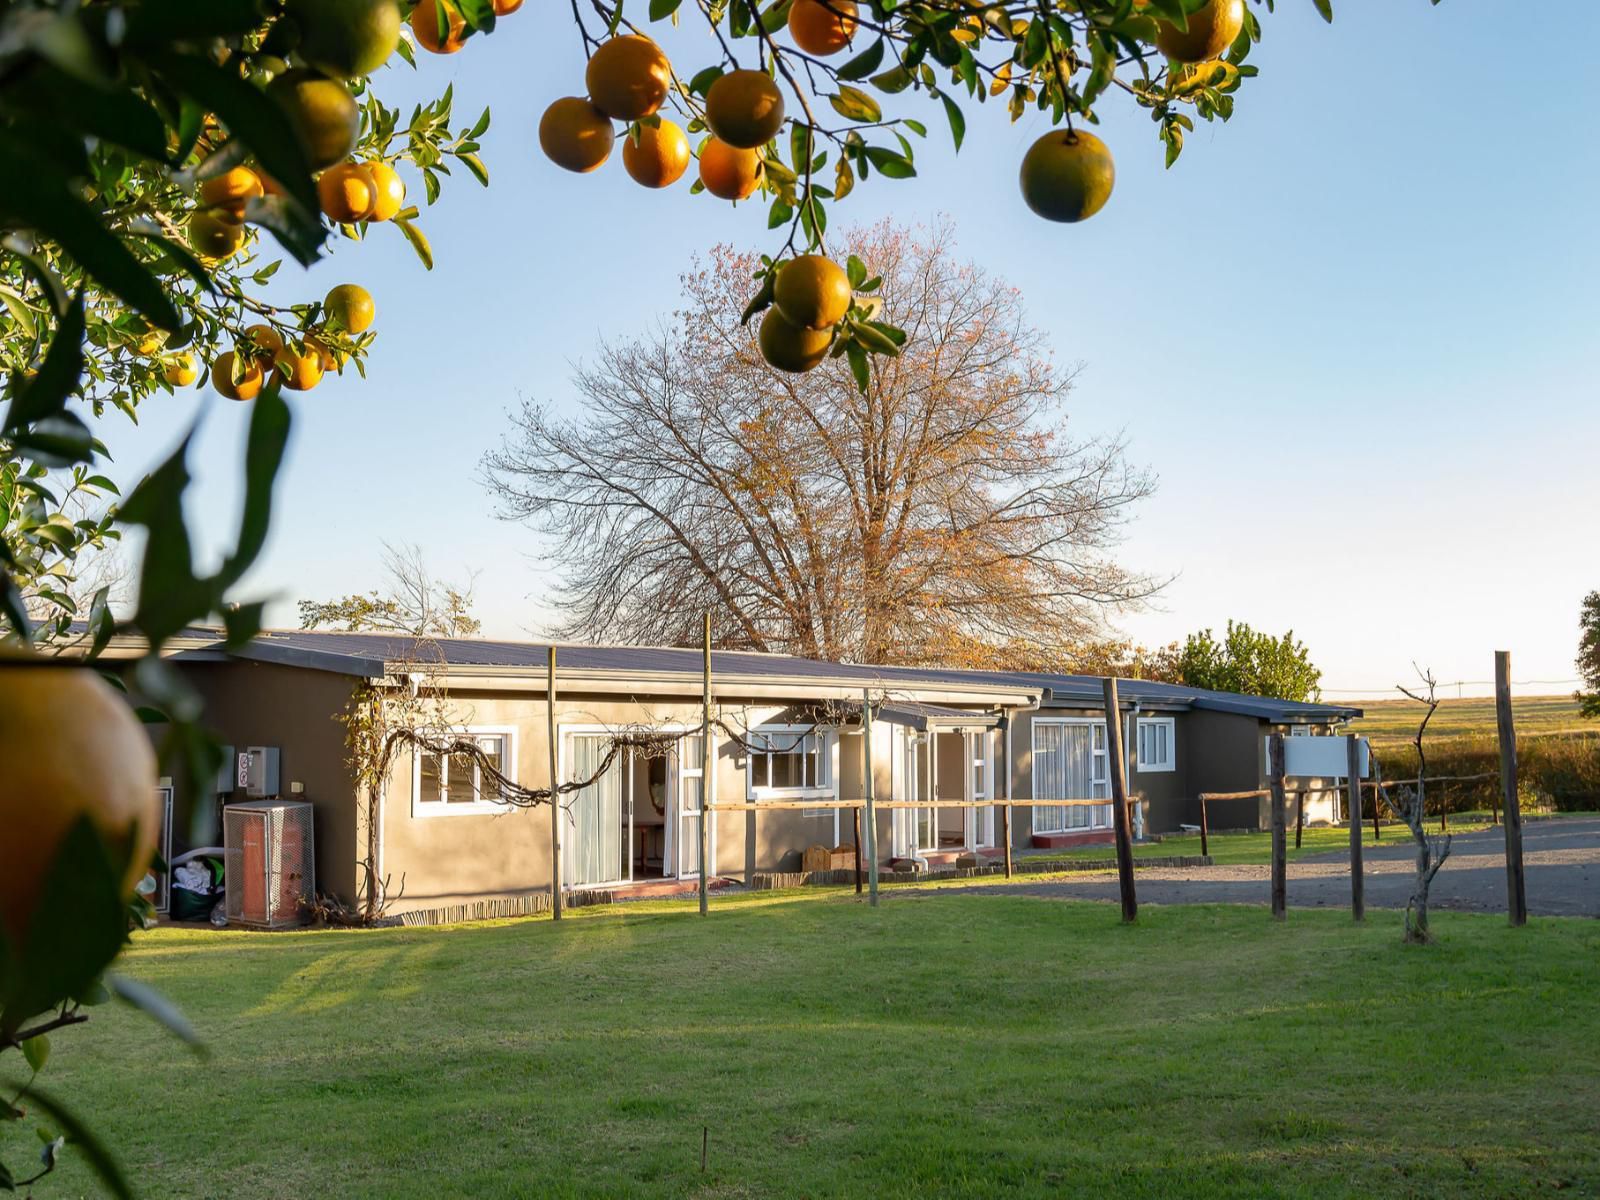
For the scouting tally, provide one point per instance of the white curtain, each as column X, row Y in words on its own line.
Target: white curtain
column 594, row 838
column 1069, row 764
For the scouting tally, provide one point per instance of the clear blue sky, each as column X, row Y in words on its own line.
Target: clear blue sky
column 1353, row 331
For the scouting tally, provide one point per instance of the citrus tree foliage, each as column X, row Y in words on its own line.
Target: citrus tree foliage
column 158, row 163
column 942, row 514
column 1589, row 655
column 845, row 78
column 1250, row 663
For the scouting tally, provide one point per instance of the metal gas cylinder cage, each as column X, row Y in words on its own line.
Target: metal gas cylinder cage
column 270, row 861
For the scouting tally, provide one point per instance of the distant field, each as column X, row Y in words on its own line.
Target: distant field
column 1396, row 720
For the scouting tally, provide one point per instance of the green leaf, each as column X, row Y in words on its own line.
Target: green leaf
column 863, row 64
column 37, row 1051
column 153, row 1004
column 858, row 366
column 875, row 340
column 115, row 115
column 856, row 271
column 893, row 165
column 79, row 923
column 20, row 312
column 40, row 196
column 257, row 120
column 269, row 434
column 170, row 596
column 79, row 1134
column 702, row 81
column 761, row 300
column 156, row 24
column 475, row 165
column 1325, row 7
column 660, row 10
column 895, row 79
column 46, row 393
column 855, row 105
column 419, row 243
column 958, row 120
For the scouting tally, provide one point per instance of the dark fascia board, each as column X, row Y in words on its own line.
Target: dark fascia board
column 265, row 650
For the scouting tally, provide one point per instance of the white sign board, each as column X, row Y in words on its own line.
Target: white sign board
column 1324, row 757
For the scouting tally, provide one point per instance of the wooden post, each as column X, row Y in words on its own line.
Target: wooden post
column 1205, row 833
column 871, row 818
column 705, row 771
column 1005, row 809
column 1280, row 849
column 1299, row 816
column 555, row 795
column 1377, row 834
column 1358, row 897
column 1516, row 885
column 1119, row 802
column 855, row 816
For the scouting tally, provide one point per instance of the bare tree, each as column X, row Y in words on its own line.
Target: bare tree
column 415, row 602
column 946, row 511
column 1411, row 806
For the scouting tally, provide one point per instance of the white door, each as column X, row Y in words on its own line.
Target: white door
column 909, row 781
column 599, row 839
column 978, row 785
column 688, row 801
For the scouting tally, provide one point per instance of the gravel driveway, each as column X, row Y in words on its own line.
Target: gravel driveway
column 1561, row 857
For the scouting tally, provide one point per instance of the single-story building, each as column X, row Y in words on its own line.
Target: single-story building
column 787, row 732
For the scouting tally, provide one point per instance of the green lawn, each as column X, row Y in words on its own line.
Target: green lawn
column 1239, row 848
column 1390, row 721
column 941, row 1045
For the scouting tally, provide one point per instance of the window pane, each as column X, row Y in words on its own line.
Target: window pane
column 428, row 791
column 787, row 770
column 460, row 773
column 494, row 748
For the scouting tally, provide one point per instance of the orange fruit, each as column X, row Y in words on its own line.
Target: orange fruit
column 329, row 358
column 351, row 305
column 822, row 27
column 727, row 171
column 628, row 77
column 659, row 156
column 812, row 292
column 265, row 337
column 300, row 372
column 70, row 747
column 425, row 24
column 1211, row 31
column 213, row 237
column 347, row 192
column 504, row 8
column 323, row 113
column 149, row 340
column 744, row 108
column 250, row 379
column 346, row 38
column 1067, row 175
column 391, row 191
column 575, row 134
column 789, row 347
column 228, row 193
column 180, row 370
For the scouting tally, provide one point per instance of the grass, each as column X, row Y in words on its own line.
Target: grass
column 951, row 1045
column 1391, row 721
column 1235, row 849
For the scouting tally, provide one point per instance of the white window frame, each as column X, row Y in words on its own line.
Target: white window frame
column 428, row 809
column 822, row 789
column 1102, row 754
column 1151, row 766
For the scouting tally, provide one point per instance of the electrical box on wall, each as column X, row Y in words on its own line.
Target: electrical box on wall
column 258, row 771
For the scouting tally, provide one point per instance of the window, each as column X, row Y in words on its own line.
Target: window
column 788, row 761
column 1158, row 746
column 451, row 784
column 1070, row 763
